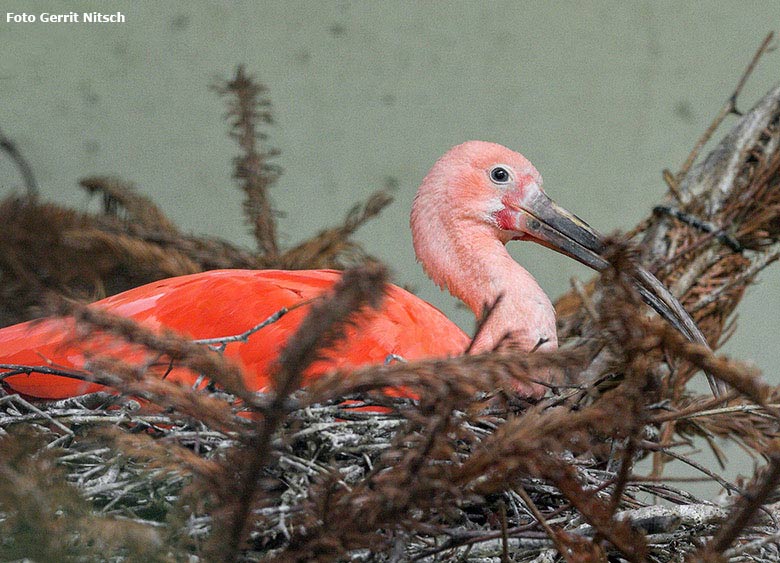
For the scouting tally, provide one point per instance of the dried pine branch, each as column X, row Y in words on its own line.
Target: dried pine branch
column 745, row 509
column 116, row 249
column 139, row 209
column 247, row 107
column 332, row 248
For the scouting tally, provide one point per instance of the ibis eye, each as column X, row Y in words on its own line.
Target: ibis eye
column 500, row 175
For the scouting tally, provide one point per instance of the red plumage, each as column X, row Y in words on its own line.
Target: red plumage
column 223, row 303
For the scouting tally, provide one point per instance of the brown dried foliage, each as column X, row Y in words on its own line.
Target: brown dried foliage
column 735, row 193
column 121, row 198
column 247, row 108
column 45, row 518
column 456, row 457
column 745, row 508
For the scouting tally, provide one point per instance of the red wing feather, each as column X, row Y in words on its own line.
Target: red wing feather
column 223, row 303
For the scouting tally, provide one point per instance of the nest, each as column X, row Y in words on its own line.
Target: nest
column 464, row 473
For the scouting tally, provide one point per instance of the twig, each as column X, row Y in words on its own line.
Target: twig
column 247, row 107
column 623, row 475
column 729, row 107
column 701, row 225
column 671, row 183
column 32, row 408
column 751, row 546
column 219, row 343
column 726, row 410
column 531, row 505
column 25, row 169
column 694, row 409
column 19, row 369
column 743, row 277
column 667, row 451
column 504, row 535
column 587, row 302
column 487, row 312
column 745, row 508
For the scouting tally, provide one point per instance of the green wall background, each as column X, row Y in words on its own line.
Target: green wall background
column 601, row 96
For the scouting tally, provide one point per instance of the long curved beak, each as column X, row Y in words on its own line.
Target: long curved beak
column 548, row 224
column 552, row 226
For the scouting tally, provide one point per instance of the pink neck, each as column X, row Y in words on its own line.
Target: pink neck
column 476, row 267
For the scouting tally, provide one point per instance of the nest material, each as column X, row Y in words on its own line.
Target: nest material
column 463, row 473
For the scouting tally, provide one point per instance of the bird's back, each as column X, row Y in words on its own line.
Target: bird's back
column 223, row 303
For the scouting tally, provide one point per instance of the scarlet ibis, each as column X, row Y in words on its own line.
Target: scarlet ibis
column 475, row 199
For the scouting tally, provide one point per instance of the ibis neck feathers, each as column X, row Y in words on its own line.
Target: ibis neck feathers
column 471, row 261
